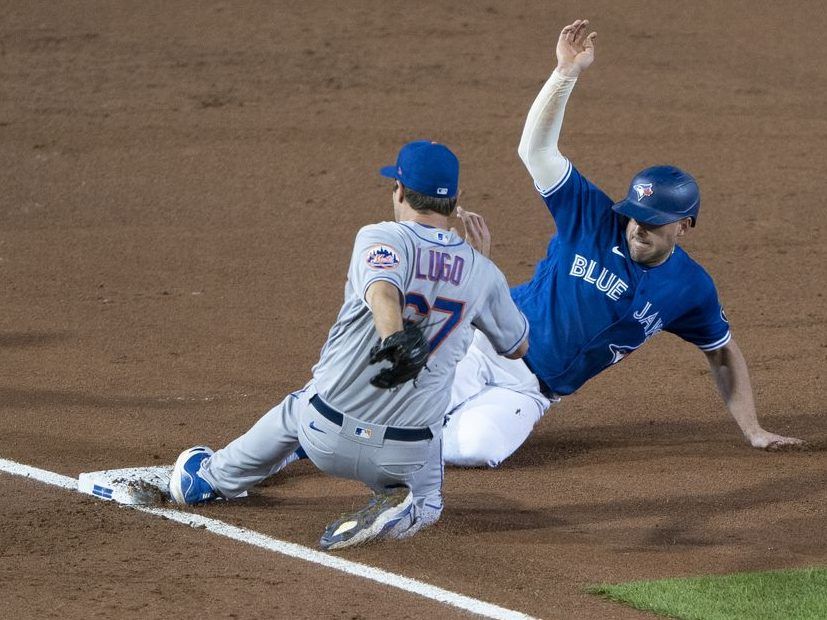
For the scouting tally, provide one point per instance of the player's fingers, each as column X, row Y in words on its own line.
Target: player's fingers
column 470, row 232
column 484, row 227
column 476, row 226
column 589, row 43
column 581, row 31
column 477, row 220
column 572, row 31
column 470, row 219
column 472, row 235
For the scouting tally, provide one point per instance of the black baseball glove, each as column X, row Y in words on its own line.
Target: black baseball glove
column 407, row 350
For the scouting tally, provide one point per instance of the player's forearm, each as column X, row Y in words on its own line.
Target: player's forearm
column 729, row 368
column 383, row 298
column 538, row 145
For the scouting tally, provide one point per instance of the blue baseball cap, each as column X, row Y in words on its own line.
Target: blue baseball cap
column 426, row 167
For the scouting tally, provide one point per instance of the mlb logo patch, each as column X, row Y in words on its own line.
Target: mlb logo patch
column 643, row 190
column 364, row 433
column 382, row 257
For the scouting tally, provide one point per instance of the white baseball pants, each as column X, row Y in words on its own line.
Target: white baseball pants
column 495, row 403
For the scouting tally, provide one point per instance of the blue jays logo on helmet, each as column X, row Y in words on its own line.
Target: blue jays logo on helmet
column 643, row 190
column 661, row 195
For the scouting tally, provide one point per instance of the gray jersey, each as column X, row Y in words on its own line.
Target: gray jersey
column 449, row 288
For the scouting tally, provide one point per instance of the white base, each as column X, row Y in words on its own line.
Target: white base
column 134, row 486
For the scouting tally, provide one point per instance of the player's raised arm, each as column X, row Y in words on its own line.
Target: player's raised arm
column 538, row 144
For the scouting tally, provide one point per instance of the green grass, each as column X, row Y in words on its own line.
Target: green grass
column 754, row 596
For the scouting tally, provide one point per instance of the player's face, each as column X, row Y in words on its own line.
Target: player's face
column 652, row 245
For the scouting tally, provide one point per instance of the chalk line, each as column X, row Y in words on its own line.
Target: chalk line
column 256, row 539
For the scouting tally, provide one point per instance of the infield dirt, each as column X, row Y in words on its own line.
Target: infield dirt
column 180, row 185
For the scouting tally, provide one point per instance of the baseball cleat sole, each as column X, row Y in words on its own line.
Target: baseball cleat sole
column 383, row 512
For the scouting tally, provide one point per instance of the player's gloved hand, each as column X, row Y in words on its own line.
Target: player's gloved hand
column 407, row 350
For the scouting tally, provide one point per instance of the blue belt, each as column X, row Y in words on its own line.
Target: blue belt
column 391, row 432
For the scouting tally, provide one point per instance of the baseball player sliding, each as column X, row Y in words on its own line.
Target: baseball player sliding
column 613, row 277
column 374, row 409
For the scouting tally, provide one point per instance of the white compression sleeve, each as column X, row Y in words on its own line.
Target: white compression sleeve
column 538, row 144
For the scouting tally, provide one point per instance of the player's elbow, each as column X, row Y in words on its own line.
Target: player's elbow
column 523, row 152
column 519, row 351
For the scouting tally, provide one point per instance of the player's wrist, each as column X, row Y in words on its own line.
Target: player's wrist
column 568, row 69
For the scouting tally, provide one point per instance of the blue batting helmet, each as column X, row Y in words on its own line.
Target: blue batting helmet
column 660, row 195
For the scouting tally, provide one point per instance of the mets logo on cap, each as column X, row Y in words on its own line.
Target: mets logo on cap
column 643, row 190
column 382, row 257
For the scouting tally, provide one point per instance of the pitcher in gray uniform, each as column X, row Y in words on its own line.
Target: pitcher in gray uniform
column 412, row 270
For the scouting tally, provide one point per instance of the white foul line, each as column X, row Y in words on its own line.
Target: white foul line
column 292, row 550
column 18, row 469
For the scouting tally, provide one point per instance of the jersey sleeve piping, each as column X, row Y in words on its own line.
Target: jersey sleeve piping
column 516, row 345
column 718, row 344
column 548, row 192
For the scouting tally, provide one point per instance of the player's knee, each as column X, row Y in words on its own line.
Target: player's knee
column 473, row 442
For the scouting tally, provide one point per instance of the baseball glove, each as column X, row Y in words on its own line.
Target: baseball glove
column 407, row 350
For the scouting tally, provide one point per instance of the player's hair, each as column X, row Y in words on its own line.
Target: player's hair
column 421, row 202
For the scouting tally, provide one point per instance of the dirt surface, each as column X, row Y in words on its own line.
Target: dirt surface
column 179, row 191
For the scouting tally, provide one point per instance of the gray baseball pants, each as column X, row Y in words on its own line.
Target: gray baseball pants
column 355, row 449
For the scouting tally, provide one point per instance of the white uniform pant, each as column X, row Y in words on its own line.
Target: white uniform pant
column 495, row 403
column 379, row 463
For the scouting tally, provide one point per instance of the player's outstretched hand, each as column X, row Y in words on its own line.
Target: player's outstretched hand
column 770, row 441
column 476, row 231
column 575, row 49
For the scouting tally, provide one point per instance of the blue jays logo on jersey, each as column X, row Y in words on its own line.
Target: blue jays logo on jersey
column 651, row 323
column 643, row 190
column 620, row 351
column 382, row 257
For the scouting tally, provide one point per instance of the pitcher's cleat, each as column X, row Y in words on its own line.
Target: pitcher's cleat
column 381, row 514
column 185, row 485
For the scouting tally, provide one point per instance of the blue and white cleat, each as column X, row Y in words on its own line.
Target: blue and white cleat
column 185, row 485
column 383, row 512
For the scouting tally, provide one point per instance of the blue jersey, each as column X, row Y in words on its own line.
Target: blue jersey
column 590, row 305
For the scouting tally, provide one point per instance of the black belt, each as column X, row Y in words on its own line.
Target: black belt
column 391, row 432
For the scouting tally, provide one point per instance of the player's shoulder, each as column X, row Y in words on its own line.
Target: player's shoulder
column 379, row 228
column 693, row 271
column 383, row 244
column 379, row 232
